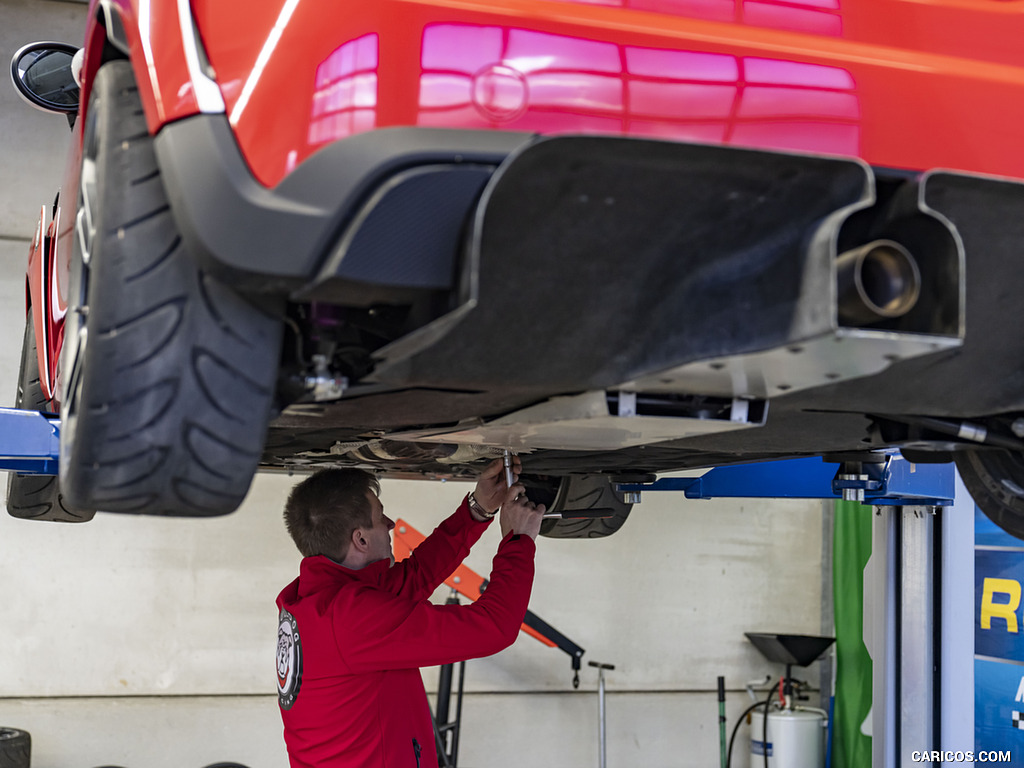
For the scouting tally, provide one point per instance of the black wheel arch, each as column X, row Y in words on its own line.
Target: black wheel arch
column 995, row 480
column 586, row 494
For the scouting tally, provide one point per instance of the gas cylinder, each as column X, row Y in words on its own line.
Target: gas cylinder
column 796, row 739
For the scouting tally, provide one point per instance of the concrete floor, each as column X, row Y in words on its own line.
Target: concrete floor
column 195, row 731
column 149, row 732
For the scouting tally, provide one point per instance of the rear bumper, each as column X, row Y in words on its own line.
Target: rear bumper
column 604, row 263
column 611, row 262
column 329, row 231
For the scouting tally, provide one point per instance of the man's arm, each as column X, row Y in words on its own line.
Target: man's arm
column 443, row 550
column 436, row 558
column 378, row 631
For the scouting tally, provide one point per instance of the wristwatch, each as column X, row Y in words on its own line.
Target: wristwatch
column 477, row 509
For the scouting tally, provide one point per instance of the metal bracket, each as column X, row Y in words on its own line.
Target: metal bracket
column 895, row 482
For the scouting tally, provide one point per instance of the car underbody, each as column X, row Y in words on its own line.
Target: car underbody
column 695, row 298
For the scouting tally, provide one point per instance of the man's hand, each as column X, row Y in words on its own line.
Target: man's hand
column 519, row 514
column 491, row 488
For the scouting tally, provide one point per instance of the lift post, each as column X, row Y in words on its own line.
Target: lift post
column 905, row 565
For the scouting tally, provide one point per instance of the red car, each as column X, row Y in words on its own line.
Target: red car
column 620, row 237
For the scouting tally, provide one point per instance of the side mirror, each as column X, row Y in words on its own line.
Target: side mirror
column 42, row 73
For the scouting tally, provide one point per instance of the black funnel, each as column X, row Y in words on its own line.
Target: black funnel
column 795, row 650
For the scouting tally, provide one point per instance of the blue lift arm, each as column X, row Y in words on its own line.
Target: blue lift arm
column 29, row 442
column 895, row 481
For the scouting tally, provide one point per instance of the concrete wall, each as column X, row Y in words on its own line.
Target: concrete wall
column 34, row 142
column 150, row 642
column 120, row 620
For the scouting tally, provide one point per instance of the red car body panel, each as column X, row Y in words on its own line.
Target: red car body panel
column 913, row 85
column 899, row 83
column 63, row 232
column 154, row 37
column 37, row 278
column 45, row 301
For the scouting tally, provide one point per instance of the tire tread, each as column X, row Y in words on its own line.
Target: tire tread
column 36, row 497
column 177, row 328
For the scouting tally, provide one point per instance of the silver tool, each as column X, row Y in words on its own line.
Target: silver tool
column 507, row 459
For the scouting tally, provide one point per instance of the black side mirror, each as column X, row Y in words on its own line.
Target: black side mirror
column 43, row 75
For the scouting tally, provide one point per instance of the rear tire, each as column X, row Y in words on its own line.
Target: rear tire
column 995, row 480
column 169, row 374
column 579, row 492
column 36, row 497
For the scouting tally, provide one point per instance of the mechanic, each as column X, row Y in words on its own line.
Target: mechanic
column 354, row 627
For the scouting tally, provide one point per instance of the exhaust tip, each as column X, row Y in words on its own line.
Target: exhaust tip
column 877, row 281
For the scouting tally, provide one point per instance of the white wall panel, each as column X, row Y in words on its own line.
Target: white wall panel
column 33, row 144
column 140, row 605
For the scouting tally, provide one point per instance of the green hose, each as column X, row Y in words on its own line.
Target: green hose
column 721, row 718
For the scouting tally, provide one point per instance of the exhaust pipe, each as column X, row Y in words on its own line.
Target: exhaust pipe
column 877, row 281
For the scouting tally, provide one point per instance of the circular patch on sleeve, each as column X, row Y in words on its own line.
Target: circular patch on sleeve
column 289, row 660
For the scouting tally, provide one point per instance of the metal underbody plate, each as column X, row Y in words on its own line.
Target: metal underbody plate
column 847, row 353
column 589, row 422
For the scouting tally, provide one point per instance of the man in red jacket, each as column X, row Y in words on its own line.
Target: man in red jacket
column 354, row 627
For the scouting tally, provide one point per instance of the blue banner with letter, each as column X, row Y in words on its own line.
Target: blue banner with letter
column 998, row 638
column 998, row 575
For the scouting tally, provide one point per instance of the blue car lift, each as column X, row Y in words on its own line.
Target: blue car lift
column 905, row 565
column 891, row 482
column 917, row 561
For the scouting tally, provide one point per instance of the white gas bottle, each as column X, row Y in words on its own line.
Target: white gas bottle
column 796, row 739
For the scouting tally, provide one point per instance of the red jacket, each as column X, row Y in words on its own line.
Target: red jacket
column 350, row 644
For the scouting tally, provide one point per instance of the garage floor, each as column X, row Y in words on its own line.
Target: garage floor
column 149, row 732
column 195, row 731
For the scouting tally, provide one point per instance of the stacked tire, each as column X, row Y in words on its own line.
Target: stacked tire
column 15, row 748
